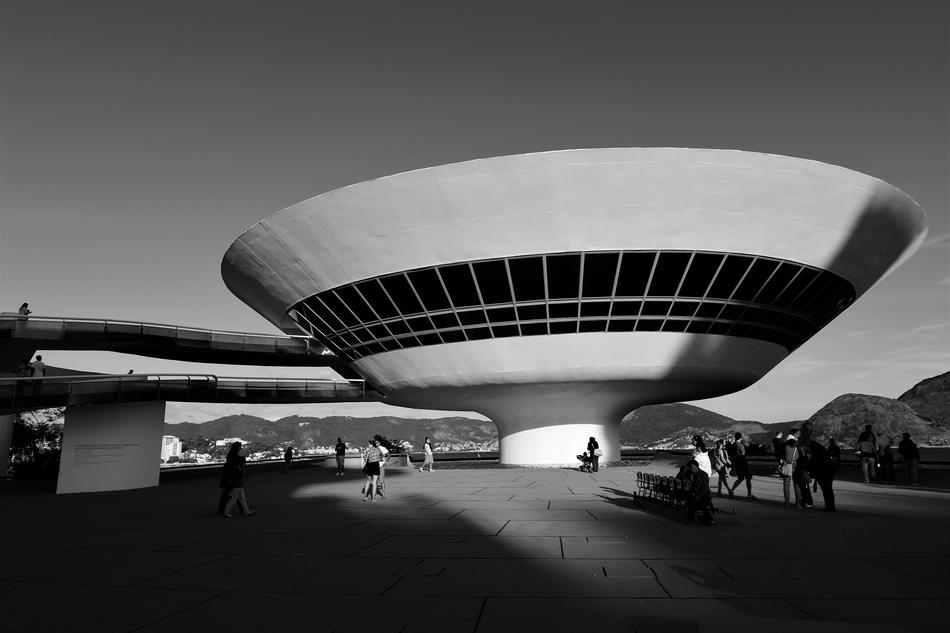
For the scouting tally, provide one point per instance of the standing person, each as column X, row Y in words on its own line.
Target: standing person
column 911, row 455
column 383, row 460
column 371, row 470
column 235, row 467
column 427, row 449
column 698, row 497
column 37, row 370
column 720, row 465
column 804, row 438
column 288, row 459
column 593, row 448
column 823, row 470
column 741, row 466
column 701, row 455
column 867, row 450
column 778, row 447
column 787, row 471
column 24, row 312
column 885, row 460
column 340, row 456
column 801, row 478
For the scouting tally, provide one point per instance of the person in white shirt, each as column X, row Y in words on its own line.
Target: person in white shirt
column 37, row 370
column 427, row 448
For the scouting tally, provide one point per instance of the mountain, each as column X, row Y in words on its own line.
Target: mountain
column 923, row 411
column 930, row 399
column 845, row 417
column 674, row 425
column 324, row 431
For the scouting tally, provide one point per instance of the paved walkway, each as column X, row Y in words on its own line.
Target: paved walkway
column 483, row 550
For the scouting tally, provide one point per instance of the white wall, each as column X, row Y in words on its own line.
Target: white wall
column 598, row 199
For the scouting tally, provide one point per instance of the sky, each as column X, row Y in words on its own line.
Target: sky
column 139, row 138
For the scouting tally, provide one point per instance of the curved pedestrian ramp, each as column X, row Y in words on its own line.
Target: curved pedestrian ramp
column 20, row 337
column 24, row 394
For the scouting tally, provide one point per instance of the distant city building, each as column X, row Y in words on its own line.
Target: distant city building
column 228, row 441
column 171, row 447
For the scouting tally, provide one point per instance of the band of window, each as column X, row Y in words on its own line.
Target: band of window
column 698, row 292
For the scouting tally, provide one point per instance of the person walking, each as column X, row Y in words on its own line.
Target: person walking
column 371, row 470
column 720, row 465
column 741, row 466
column 593, row 448
column 427, row 449
column 787, row 471
column 340, row 456
column 235, row 472
column 867, row 450
column 911, row 455
column 288, row 459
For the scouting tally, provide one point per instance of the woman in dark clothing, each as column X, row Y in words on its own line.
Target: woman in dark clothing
column 235, row 466
column 802, row 479
column 823, row 471
column 593, row 448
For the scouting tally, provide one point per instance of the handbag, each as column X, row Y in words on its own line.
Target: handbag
column 598, row 452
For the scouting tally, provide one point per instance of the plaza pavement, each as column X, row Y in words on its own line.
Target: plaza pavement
column 469, row 550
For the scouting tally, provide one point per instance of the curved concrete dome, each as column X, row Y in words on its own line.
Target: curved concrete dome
column 554, row 292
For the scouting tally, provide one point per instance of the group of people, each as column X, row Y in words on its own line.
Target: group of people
column 877, row 457
column 726, row 459
column 591, row 457
column 805, row 465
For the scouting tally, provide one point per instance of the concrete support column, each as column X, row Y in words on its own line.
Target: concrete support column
column 6, row 439
column 111, row 447
column 553, row 429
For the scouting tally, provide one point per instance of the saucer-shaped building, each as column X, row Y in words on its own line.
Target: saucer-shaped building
column 555, row 292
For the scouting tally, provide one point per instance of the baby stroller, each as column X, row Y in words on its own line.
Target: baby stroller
column 586, row 462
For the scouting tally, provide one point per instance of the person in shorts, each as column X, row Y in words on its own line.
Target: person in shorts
column 371, row 470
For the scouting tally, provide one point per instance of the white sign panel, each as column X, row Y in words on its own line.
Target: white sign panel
column 111, row 447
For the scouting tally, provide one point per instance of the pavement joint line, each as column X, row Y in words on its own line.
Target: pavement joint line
column 373, row 544
column 179, row 611
column 455, row 514
column 561, row 542
column 481, row 610
column 800, row 609
column 393, row 584
column 656, row 578
column 221, row 557
column 503, row 527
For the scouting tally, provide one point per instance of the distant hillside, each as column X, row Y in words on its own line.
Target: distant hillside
column 324, row 431
column 674, row 425
column 844, row 418
column 923, row 411
column 930, row 399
